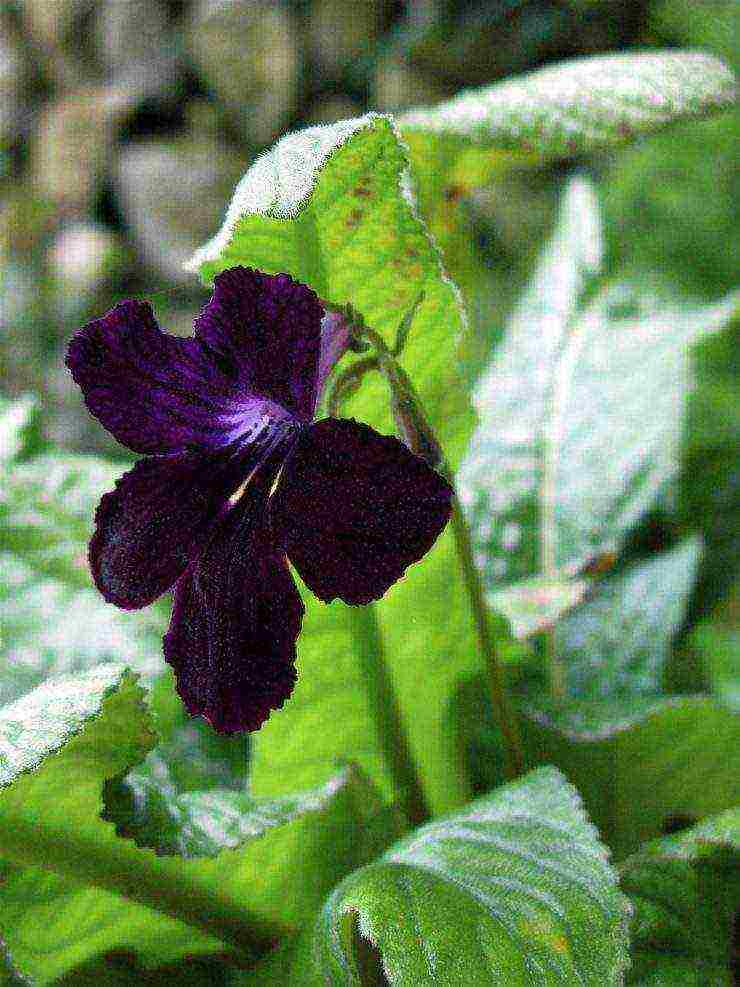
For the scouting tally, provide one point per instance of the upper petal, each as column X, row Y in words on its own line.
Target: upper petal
column 354, row 508
column 153, row 523
column 237, row 615
column 266, row 328
column 156, row 393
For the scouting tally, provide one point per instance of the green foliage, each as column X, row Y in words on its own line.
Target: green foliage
column 684, row 890
column 582, row 105
column 615, row 644
column 639, row 762
column 73, row 889
column 137, row 846
column 515, row 889
column 52, row 618
column 580, row 411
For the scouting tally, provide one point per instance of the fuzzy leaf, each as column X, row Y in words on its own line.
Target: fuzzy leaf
column 72, row 890
column 334, row 207
column 580, row 412
column 581, row 105
column 514, row 889
column 618, row 641
column 52, row 619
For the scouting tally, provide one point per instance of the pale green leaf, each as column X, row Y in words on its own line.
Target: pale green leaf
column 73, row 890
column 52, row 619
column 580, row 411
column 685, row 890
column 536, row 604
column 617, row 642
column 513, row 889
column 334, row 207
column 581, row 105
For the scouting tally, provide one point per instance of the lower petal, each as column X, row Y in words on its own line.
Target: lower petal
column 354, row 508
column 153, row 523
column 237, row 615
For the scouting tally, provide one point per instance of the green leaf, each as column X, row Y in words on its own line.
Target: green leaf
column 73, row 890
column 639, row 762
column 719, row 651
column 536, row 604
column 618, row 642
column 580, row 411
column 333, row 206
column 17, row 427
column 514, row 889
column 52, row 619
column 684, row 891
column 578, row 106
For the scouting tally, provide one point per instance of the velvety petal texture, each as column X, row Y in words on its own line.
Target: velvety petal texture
column 354, row 508
column 265, row 330
column 237, row 614
column 151, row 525
column 154, row 392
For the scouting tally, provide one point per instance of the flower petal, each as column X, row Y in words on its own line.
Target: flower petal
column 152, row 524
column 335, row 340
column 237, row 615
column 266, row 329
column 154, row 392
column 354, row 508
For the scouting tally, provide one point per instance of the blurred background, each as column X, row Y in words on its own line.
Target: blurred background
column 124, row 125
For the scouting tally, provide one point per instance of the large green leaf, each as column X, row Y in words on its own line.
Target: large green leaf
column 52, row 619
column 338, row 708
column 618, row 641
column 685, row 891
column 578, row 106
column 514, row 889
column 639, row 762
column 73, row 890
column 580, row 411
column 333, row 206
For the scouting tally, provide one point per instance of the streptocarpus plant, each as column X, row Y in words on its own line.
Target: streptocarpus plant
column 327, row 882
column 224, row 411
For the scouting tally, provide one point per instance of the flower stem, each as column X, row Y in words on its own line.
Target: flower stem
column 503, row 711
column 392, row 736
column 419, row 435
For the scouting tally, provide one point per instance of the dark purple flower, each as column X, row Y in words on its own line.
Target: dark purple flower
column 228, row 411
